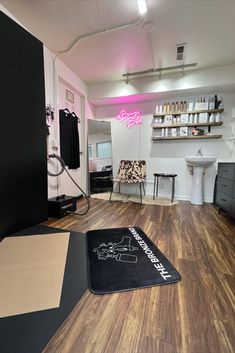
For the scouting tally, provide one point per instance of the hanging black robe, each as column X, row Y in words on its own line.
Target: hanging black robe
column 69, row 139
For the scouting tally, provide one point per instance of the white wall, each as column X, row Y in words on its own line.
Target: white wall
column 52, row 73
column 53, row 96
column 197, row 81
column 168, row 156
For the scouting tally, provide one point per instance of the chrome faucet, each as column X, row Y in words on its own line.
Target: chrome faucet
column 199, row 152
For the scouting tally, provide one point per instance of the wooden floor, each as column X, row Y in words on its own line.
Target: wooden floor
column 195, row 315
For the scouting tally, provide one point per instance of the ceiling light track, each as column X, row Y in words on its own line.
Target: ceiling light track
column 159, row 71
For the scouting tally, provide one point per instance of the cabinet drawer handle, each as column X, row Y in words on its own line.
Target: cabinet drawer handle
column 225, row 171
column 223, row 200
column 224, row 185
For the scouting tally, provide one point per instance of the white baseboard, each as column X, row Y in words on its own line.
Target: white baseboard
column 184, row 197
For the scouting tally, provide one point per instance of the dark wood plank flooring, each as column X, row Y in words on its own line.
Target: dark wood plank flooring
column 195, row 315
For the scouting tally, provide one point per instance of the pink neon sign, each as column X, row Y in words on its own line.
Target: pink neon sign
column 133, row 118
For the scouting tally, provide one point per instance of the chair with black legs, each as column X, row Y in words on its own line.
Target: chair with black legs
column 131, row 172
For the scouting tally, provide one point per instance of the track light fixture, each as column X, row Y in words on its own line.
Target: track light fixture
column 153, row 71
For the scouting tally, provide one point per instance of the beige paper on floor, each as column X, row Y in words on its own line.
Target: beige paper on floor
column 31, row 272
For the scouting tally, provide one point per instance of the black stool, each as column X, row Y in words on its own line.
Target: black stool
column 164, row 175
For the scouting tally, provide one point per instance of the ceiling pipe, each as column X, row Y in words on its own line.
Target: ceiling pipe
column 116, row 28
column 148, row 28
column 78, row 39
column 71, row 46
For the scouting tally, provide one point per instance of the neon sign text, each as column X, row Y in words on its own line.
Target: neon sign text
column 132, row 119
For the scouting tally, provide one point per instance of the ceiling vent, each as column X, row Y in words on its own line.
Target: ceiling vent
column 180, row 51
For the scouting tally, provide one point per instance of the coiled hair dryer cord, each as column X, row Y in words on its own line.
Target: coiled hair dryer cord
column 63, row 168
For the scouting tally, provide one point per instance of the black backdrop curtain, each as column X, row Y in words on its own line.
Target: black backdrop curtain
column 23, row 176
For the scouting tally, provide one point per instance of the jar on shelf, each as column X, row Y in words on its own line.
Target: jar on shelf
column 195, row 119
column 212, row 118
column 212, row 103
column 217, row 117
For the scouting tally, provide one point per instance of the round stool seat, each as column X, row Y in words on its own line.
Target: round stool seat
column 165, row 175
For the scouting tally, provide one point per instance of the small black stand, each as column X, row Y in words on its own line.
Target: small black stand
column 60, row 205
column 164, row 175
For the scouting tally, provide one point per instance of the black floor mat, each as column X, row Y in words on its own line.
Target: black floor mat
column 122, row 259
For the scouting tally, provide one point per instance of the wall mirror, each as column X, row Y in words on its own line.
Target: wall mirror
column 99, row 156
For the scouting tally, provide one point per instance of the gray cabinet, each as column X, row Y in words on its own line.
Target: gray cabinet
column 225, row 188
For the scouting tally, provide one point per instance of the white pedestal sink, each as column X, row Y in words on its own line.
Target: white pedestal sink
column 198, row 163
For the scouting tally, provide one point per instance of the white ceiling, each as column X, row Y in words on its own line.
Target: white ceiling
column 208, row 28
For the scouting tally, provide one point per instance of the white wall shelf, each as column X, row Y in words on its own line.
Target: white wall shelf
column 209, row 111
column 212, row 136
column 159, row 126
column 188, row 134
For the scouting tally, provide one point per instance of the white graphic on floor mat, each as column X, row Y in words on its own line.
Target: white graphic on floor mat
column 114, row 251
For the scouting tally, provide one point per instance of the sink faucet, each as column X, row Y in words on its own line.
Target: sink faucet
column 199, row 152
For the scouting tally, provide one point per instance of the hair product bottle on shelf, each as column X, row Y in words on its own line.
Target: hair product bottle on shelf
column 181, row 106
